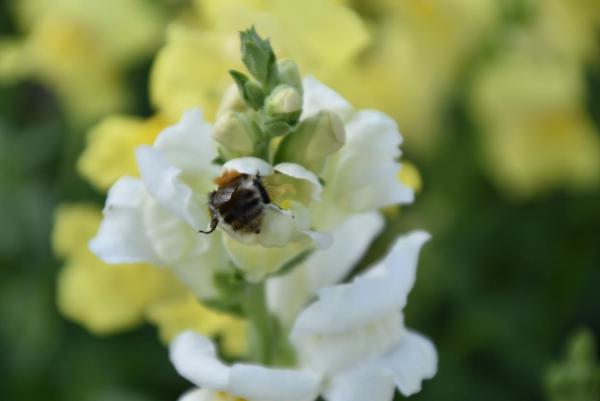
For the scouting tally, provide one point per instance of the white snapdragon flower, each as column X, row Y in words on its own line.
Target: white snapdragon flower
column 354, row 334
column 195, row 358
column 360, row 178
column 156, row 219
column 351, row 342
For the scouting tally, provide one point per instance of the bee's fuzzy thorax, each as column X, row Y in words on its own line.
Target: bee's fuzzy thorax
column 226, row 178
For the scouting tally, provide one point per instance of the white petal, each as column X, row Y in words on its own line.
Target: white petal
column 197, row 395
column 410, row 362
column 301, row 173
column 321, row 240
column 278, row 227
column 172, row 239
column 287, row 294
column 188, row 145
column 350, row 242
column 258, row 261
column 318, row 96
column 369, row 297
column 122, row 234
column 194, row 357
column 248, row 165
column 403, row 259
column 363, row 382
column 260, row 383
column 164, row 181
column 364, row 174
column 197, row 271
column 332, row 352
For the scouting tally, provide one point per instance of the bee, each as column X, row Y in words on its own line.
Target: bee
column 238, row 202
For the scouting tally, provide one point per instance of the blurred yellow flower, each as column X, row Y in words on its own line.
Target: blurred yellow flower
column 79, row 49
column 109, row 153
column 415, row 57
column 191, row 70
column 178, row 314
column 530, row 103
column 109, row 298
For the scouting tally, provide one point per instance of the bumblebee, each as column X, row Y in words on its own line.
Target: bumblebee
column 238, row 202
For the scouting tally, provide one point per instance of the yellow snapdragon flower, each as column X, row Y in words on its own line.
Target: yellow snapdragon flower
column 106, row 299
column 537, row 134
column 530, row 103
column 415, row 57
column 79, row 49
column 191, row 69
column 109, row 153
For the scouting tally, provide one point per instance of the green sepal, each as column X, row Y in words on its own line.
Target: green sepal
column 230, row 285
column 219, row 160
column 277, row 128
column 251, row 91
column 259, row 58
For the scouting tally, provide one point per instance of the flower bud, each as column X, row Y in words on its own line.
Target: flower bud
column 313, row 141
column 289, row 74
column 284, row 102
column 232, row 101
column 234, row 134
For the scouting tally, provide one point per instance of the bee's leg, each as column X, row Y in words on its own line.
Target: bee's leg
column 213, row 224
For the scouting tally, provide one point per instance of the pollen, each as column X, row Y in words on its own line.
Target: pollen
column 227, row 177
column 285, row 204
column 223, row 396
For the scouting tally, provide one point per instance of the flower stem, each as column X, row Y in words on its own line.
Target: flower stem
column 262, row 328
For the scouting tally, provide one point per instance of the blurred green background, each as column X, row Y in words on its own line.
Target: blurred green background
column 507, row 280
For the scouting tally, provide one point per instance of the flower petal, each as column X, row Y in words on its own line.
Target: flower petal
column 260, row 383
column 402, row 261
column 350, row 242
column 369, row 297
column 287, row 294
column 194, row 357
column 121, row 237
column 321, row 240
column 188, row 145
column 248, row 165
column 166, row 184
column 366, row 381
column 199, row 394
column 411, row 361
column 364, row 176
column 318, row 97
column 332, row 352
column 301, row 173
column 258, row 261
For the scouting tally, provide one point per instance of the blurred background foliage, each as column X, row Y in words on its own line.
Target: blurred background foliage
column 499, row 102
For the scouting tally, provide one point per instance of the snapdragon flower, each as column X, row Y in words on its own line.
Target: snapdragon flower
column 155, row 219
column 318, row 172
column 354, row 333
column 352, row 344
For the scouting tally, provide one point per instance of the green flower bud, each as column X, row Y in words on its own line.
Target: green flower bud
column 289, row 74
column 313, row 141
column 234, row 134
column 232, row 101
column 284, row 103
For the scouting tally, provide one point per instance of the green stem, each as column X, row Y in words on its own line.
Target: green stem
column 261, row 336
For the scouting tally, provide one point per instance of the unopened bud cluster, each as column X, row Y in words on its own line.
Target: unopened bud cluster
column 268, row 104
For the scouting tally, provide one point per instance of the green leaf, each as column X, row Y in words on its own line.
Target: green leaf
column 259, row 58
